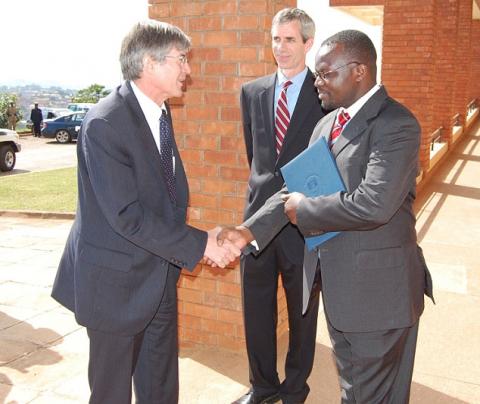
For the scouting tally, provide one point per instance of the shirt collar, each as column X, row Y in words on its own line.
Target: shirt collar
column 150, row 109
column 357, row 105
column 296, row 80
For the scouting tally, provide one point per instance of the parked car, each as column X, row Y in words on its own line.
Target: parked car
column 50, row 113
column 64, row 129
column 9, row 146
column 80, row 106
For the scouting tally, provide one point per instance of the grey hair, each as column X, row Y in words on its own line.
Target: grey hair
column 149, row 38
column 307, row 26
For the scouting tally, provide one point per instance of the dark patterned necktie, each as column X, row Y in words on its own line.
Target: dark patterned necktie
column 282, row 117
column 166, row 154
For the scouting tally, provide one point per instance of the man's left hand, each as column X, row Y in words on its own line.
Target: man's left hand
column 291, row 204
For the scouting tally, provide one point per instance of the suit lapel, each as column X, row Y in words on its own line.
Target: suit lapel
column 266, row 101
column 324, row 127
column 360, row 121
column 144, row 133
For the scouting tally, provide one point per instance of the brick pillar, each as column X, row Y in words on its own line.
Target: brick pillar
column 231, row 45
column 408, row 66
column 463, row 58
column 474, row 82
column 445, row 65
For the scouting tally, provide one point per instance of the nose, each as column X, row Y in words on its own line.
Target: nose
column 186, row 68
column 281, row 44
column 318, row 82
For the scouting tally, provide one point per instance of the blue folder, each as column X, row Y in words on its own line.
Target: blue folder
column 314, row 173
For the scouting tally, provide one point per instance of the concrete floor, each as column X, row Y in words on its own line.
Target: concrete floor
column 43, row 352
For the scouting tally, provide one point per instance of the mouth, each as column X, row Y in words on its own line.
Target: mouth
column 182, row 84
column 282, row 58
column 322, row 94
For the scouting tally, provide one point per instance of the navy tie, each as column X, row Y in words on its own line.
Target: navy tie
column 166, row 154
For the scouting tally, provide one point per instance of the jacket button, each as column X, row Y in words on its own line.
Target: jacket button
column 276, row 173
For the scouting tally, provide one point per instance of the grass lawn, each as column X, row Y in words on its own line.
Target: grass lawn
column 51, row 191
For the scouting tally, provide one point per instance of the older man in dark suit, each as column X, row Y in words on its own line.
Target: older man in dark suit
column 279, row 113
column 373, row 274
column 130, row 240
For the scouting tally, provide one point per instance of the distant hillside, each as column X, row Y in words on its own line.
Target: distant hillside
column 27, row 95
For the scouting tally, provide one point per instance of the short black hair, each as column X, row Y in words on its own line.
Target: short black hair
column 358, row 46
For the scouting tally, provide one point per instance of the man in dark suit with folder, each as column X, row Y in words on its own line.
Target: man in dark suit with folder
column 279, row 113
column 373, row 275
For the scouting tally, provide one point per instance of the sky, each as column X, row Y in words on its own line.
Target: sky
column 76, row 43
column 69, row 43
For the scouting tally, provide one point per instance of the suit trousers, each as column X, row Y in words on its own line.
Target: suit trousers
column 36, row 129
column 151, row 357
column 259, row 291
column 375, row 367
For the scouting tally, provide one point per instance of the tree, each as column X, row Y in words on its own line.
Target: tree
column 91, row 94
column 5, row 100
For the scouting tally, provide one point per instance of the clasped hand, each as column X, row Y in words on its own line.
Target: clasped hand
column 219, row 254
column 225, row 244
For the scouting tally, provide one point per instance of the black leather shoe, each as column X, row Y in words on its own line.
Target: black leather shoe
column 252, row 398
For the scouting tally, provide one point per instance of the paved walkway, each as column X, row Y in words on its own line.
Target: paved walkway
column 40, row 154
column 43, row 352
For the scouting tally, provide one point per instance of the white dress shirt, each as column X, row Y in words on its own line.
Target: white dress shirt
column 152, row 113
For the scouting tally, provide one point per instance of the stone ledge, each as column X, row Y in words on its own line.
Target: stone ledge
column 37, row 214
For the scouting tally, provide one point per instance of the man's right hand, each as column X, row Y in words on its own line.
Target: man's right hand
column 219, row 254
column 240, row 236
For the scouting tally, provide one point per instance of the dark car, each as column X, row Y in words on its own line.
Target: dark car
column 64, row 129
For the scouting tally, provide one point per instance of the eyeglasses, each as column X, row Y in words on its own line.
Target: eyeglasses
column 324, row 75
column 182, row 58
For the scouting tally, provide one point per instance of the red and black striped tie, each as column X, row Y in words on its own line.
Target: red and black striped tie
column 342, row 119
column 282, row 117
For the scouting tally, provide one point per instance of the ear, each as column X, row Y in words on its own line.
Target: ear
column 308, row 44
column 148, row 64
column 361, row 72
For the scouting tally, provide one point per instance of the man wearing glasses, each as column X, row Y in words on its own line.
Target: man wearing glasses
column 373, row 275
column 130, row 239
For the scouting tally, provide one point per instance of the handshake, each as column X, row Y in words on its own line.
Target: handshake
column 225, row 244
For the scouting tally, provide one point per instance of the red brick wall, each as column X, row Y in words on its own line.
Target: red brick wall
column 430, row 60
column 339, row 3
column 474, row 81
column 231, row 45
column 408, row 65
column 463, row 57
column 445, row 31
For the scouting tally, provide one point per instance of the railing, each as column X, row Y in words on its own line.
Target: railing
column 472, row 112
column 436, row 137
column 456, row 120
column 472, row 106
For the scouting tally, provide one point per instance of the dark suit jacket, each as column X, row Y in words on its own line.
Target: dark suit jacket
column 36, row 115
column 373, row 273
column 127, row 234
column 258, row 110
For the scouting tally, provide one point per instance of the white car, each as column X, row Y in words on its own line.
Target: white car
column 9, row 146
